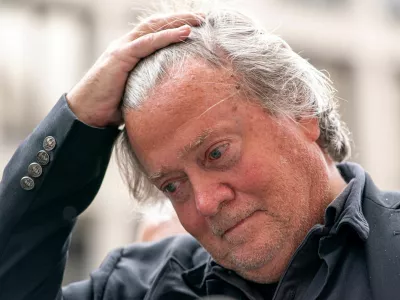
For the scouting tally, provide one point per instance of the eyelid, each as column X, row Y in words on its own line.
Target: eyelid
column 179, row 195
column 216, row 146
column 173, row 180
column 166, row 185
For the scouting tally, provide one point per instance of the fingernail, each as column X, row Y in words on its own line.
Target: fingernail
column 184, row 28
column 184, row 32
column 202, row 16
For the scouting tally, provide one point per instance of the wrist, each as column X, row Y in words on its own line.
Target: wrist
column 87, row 115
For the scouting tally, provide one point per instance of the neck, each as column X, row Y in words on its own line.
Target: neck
column 336, row 181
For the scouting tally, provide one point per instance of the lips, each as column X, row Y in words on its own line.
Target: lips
column 235, row 222
column 233, row 227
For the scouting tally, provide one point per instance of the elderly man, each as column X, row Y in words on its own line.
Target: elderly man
column 242, row 135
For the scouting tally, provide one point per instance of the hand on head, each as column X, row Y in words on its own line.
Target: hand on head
column 96, row 98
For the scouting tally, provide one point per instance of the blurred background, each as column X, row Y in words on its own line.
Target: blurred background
column 46, row 47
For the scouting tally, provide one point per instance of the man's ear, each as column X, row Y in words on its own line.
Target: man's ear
column 310, row 128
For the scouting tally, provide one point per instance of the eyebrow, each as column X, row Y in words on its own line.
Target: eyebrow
column 196, row 143
column 193, row 145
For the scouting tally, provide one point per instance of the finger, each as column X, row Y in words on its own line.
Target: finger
column 152, row 42
column 162, row 23
column 170, row 21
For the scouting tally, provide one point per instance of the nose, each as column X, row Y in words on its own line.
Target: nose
column 210, row 193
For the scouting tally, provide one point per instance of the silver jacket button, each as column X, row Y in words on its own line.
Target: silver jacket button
column 42, row 157
column 49, row 143
column 27, row 183
column 34, row 170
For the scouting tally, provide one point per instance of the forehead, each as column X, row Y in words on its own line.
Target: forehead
column 196, row 87
column 181, row 98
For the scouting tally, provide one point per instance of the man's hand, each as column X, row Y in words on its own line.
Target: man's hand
column 95, row 99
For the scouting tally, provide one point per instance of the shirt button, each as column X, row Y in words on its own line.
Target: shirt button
column 27, row 183
column 35, row 170
column 49, row 143
column 42, row 157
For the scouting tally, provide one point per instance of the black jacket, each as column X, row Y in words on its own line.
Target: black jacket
column 354, row 255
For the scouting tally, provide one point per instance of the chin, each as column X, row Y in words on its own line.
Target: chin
column 257, row 260
column 263, row 277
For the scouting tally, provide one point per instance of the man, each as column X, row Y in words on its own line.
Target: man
column 243, row 137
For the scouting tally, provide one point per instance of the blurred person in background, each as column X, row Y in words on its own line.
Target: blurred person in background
column 151, row 230
column 242, row 135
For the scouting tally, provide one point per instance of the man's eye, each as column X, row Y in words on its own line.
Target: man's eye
column 216, row 153
column 170, row 188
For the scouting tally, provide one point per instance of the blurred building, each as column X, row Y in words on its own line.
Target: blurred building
column 46, row 47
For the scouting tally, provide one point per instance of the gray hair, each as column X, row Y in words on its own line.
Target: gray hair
column 268, row 69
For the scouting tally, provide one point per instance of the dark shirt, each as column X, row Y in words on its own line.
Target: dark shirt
column 266, row 291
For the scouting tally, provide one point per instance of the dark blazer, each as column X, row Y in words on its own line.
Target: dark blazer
column 355, row 255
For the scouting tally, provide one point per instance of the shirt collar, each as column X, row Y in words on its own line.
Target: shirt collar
column 346, row 209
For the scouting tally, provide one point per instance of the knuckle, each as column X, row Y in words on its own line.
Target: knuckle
column 152, row 23
column 169, row 33
column 114, row 51
column 145, row 43
column 155, row 20
column 150, row 38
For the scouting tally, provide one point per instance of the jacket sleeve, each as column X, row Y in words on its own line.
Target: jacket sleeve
column 35, row 225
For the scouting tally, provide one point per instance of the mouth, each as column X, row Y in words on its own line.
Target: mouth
column 237, row 224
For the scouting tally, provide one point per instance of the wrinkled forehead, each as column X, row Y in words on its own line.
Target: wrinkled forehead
column 184, row 95
column 188, row 84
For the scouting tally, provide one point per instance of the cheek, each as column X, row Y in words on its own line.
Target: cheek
column 253, row 175
column 193, row 222
column 269, row 179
